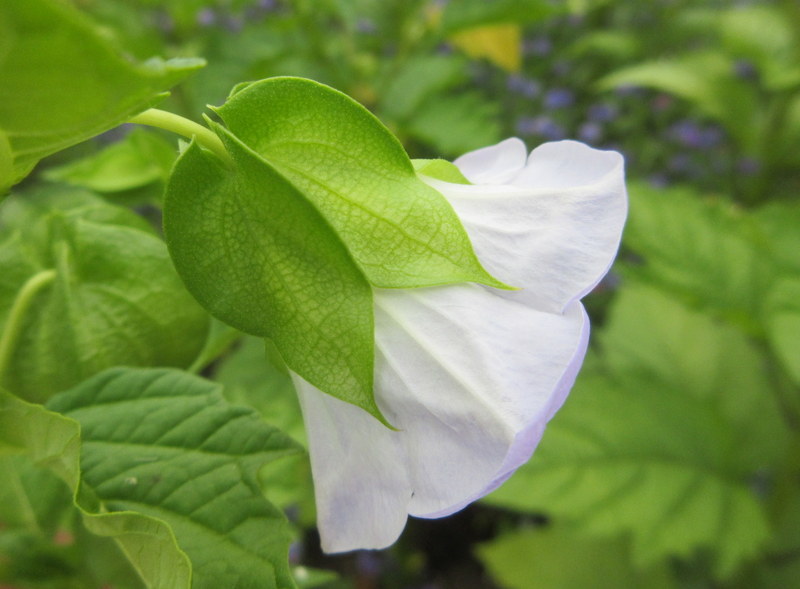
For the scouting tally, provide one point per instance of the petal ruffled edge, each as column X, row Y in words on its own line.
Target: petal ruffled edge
column 361, row 496
column 555, row 239
column 496, row 164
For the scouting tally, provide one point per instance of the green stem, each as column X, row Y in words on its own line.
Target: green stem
column 177, row 124
column 16, row 316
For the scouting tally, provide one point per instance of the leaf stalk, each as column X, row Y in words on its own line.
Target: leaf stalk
column 16, row 316
column 177, row 124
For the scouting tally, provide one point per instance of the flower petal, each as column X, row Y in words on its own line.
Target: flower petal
column 360, row 480
column 496, row 164
column 469, row 379
column 472, row 379
column 556, row 230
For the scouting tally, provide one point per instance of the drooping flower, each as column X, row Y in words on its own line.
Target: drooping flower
column 467, row 374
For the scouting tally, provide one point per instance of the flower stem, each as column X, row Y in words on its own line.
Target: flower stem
column 16, row 316
column 177, row 124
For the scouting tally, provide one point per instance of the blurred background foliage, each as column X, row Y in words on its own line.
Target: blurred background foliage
column 676, row 460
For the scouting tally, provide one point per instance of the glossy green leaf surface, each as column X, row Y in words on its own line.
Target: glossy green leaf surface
column 610, row 460
column 260, row 257
column 84, row 287
column 401, row 232
column 63, row 82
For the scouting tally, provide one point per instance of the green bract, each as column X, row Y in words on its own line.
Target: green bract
column 85, row 288
column 260, row 257
column 321, row 202
column 401, row 232
column 62, row 82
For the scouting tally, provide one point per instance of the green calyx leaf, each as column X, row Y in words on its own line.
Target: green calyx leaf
column 318, row 203
column 90, row 87
column 440, row 170
column 401, row 232
column 260, row 257
column 87, row 287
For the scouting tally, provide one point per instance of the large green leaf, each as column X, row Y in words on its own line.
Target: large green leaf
column 165, row 444
column 401, row 232
column 779, row 221
column 259, row 256
column 42, row 544
column 253, row 375
column 664, row 440
column 424, row 77
column 53, row 441
column 160, row 462
column 698, row 249
column 63, row 82
column 783, row 324
column 559, row 558
column 654, row 340
column 84, row 288
column 456, row 124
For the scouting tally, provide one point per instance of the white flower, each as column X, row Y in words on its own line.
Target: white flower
column 468, row 374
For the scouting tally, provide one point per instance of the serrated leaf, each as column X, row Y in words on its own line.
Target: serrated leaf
column 141, row 158
column 559, row 558
column 53, row 441
column 258, row 256
column 253, row 375
column 160, row 462
column 471, row 13
column 43, row 544
column 63, row 82
column 401, row 232
column 165, row 444
column 663, row 442
column 84, row 289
